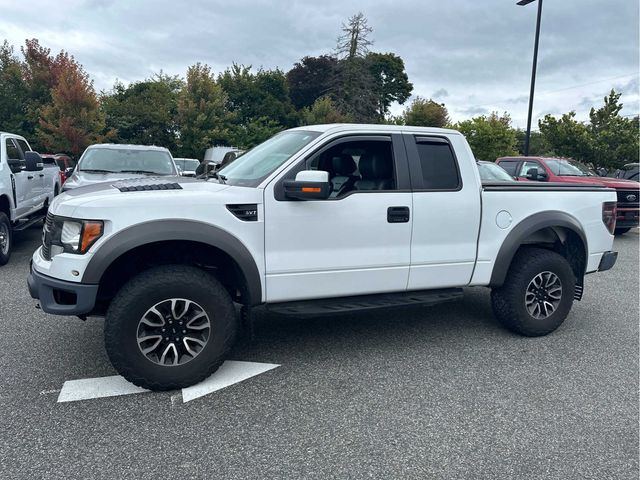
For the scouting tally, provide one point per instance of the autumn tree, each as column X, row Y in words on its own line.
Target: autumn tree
column 203, row 117
column 426, row 113
column 490, row 136
column 73, row 119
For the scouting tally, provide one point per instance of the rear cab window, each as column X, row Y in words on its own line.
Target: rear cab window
column 436, row 167
column 510, row 166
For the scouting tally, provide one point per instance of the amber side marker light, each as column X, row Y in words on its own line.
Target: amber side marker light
column 91, row 232
column 311, row 189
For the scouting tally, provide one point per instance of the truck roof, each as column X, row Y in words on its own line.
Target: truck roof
column 375, row 127
column 122, row 146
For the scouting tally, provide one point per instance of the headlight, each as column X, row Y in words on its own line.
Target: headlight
column 71, row 236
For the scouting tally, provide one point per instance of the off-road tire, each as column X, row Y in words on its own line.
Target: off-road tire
column 508, row 301
column 144, row 291
column 621, row 230
column 4, row 257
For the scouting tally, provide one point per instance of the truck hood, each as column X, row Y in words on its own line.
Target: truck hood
column 617, row 183
column 82, row 179
column 148, row 193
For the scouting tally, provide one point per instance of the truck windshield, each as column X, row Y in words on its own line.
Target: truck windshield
column 568, row 168
column 258, row 163
column 120, row 160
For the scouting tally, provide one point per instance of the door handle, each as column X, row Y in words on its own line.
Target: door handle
column 398, row 214
column 41, row 175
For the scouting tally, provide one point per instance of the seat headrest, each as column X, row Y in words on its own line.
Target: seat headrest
column 375, row 166
column 344, row 164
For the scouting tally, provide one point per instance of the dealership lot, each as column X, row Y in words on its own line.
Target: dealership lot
column 439, row 392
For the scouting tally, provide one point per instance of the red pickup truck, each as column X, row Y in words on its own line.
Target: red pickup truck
column 566, row 170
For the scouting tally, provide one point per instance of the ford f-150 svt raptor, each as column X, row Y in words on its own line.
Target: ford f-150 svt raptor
column 315, row 220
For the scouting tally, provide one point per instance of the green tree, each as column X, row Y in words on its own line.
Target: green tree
column 323, row 110
column 567, row 137
column 73, row 120
column 489, row 136
column 390, row 79
column 254, row 131
column 426, row 113
column 144, row 112
column 614, row 137
column 13, row 91
column 310, row 79
column 203, row 117
column 538, row 145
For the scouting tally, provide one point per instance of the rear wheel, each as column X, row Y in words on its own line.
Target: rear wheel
column 537, row 294
column 6, row 238
column 169, row 327
column 621, row 231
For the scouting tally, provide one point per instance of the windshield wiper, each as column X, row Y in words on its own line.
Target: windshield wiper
column 141, row 171
column 94, row 170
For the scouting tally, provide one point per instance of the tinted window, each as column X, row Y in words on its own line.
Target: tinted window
column 526, row 166
column 23, row 145
column 510, row 166
column 12, row 151
column 439, row 169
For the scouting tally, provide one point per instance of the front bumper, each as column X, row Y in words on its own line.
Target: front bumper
column 60, row 297
column 607, row 261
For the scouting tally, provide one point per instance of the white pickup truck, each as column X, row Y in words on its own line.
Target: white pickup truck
column 27, row 188
column 316, row 220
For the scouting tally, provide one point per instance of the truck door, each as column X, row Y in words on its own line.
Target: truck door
column 39, row 185
column 446, row 212
column 355, row 242
column 23, row 181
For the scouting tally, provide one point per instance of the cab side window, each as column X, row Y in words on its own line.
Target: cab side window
column 438, row 164
column 358, row 165
column 510, row 166
column 526, row 166
column 15, row 159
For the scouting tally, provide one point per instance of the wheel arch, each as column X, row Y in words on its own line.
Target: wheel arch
column 5, row 205
column 554, row 230
column 211, row 242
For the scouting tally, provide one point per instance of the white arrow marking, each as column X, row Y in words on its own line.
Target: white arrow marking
column 88, row 388
column 229, row 373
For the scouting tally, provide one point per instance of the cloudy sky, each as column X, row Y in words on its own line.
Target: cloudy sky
column 473, row 55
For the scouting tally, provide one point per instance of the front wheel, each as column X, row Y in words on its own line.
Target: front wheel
column 169, row 327
column 6, row 238
column 537, row 294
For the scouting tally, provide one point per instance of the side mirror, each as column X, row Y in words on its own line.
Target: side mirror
column 68, row 172
column 532, row 174
column 33, row 162
column 308, row 185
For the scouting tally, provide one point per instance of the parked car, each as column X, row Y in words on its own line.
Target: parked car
column 27, row 188
column 628, row 172
column 108, row 163
column 491, row 172
column 187, row 166
column 566, row 170
column 316, row 220
column 64, row 162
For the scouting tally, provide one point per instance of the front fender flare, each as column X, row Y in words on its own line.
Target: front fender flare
column 164, row 230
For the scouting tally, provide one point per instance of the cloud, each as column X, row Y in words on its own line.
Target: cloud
column 454, row 48
column 440, row 94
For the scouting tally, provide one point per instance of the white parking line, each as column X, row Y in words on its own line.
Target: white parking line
column 88, row 388
column 229, row 373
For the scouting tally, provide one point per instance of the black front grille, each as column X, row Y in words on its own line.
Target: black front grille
column 628, row 198
column 46, row 237
column 247, row 212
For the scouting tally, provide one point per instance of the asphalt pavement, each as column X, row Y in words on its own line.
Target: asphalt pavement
column 430, row 392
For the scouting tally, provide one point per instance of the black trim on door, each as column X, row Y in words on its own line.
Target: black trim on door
column 402, row 178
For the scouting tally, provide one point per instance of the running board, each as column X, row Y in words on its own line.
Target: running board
column 326, row 306
column 26, row 224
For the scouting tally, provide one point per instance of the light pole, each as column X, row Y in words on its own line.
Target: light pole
column 533, row 72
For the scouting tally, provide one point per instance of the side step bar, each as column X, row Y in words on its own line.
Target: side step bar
column 26, row 224
column 327, row 306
